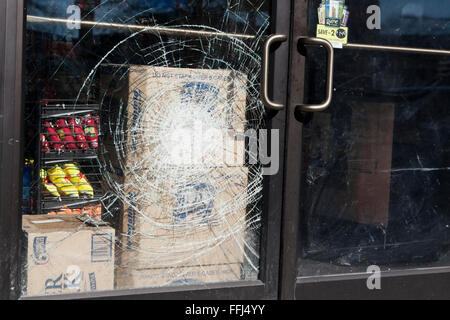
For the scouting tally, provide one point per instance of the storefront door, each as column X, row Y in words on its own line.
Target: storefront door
column 119, row 179
column 366, row 212
column 131, row 141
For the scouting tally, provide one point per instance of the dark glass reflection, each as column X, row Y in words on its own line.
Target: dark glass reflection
column 413, row 23
column 376, row 167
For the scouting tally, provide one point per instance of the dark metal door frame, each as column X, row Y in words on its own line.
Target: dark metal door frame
column 12, row 29
column 11, row 112
column 431, row 283
column 291, row 196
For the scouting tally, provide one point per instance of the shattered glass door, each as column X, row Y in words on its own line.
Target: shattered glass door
column 137, row 173
column 375, row 173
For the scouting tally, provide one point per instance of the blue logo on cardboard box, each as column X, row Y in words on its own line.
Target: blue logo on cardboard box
column 200, row 93
column 71, row 280
column 40, row 254
column 138, row 100
column 92, row 281
column 186, row 282
column 131, row 223
column 195, row 201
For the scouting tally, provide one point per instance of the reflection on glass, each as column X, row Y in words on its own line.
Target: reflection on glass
column 418, row 17
column 376, row 174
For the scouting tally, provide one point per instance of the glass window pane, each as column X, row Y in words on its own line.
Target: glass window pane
column 136, row 167
column 376, row 163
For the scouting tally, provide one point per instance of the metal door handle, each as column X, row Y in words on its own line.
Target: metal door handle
column 265, row 76
column 330, row 70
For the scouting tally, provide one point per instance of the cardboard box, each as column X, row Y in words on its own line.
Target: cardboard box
column 66, row 256
column 140, row 278
column 169, row 115
column 200, row 221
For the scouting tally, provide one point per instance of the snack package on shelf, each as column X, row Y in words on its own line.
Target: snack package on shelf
column 78, row 179
column 65, row 187
column 92, row 210
column 78, row 132
column 53, row 137
column 47, row 187
column 63, row 210
column 65, row 134
column 91, row 130
column 44, row 144
column 26, row 186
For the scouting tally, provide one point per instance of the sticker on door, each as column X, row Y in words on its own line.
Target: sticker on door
column 333, row 18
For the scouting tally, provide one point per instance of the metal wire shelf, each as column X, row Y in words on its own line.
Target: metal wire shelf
column 61, row 151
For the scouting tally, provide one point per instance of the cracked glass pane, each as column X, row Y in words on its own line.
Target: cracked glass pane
column 137, row 172
column 376, row 163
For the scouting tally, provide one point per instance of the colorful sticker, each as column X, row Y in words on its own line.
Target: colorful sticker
column 333, row 18
column 40, row 254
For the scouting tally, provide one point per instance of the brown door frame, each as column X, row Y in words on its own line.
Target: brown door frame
column 11, row 113
column 293, row 154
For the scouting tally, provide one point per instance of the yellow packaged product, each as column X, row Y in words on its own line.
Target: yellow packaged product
column 48, row 188
column 58, row 177
column 78, row 179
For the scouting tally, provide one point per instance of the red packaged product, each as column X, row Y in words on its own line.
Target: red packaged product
column 91, row 131
column 53, row 136
column 77, row 130
column 44, row 144
column 65, row 134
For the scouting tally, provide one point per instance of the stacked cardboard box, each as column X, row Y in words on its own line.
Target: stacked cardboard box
column 172, row 114
column 189, row 111
column 64, row 255
column 181, row 222
column 194, row 229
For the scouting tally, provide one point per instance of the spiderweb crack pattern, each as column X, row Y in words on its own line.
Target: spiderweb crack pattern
column 208, row 216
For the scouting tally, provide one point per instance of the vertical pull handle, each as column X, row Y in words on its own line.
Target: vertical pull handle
column 265, row 76
column 302, row 41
